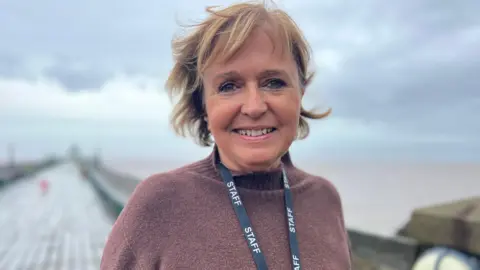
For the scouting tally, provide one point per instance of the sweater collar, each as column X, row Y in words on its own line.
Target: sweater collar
column 271, row 180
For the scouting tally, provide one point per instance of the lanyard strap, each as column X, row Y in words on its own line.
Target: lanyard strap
column 247, row 228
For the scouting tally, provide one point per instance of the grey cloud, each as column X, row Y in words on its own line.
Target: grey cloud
column 106, row 36
column 102, row 37
column 9, row 65
column 77, row 79
column 12, row 66
column 412, row 64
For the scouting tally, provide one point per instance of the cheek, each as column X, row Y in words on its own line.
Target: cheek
column 289, row 110
column 220, row 115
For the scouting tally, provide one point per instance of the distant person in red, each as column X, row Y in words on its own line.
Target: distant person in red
column 44, row 186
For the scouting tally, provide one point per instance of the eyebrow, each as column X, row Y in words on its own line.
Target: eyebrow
column 263, row 74
column 274, row 72
column 226, row 75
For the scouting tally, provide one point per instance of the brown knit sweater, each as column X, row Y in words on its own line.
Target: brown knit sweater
column 184, row 219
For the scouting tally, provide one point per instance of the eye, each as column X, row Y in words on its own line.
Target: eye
column 275, row 83
column 227, row 87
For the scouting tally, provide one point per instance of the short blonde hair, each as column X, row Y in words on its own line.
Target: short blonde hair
column 196, row 50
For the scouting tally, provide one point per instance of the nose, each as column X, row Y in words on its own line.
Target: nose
column 254, row 104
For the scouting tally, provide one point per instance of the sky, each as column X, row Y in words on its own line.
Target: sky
column 402, row 78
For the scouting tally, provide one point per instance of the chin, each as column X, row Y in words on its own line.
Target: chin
column 259, row 159
column 251, row 158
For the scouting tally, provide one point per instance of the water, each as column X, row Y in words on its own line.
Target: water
column 377, row 197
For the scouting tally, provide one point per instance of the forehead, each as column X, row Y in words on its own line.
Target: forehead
column 262, row 50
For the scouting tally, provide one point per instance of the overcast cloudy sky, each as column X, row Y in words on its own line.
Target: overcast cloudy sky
column 402, row 77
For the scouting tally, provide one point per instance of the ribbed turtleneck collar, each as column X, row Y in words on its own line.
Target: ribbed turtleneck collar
column 271, row 180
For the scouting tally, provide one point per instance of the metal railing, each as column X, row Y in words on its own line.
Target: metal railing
column 113, row 187
column 12, row 173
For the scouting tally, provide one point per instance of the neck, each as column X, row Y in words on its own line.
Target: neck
column 238, row 168
column 260, row 177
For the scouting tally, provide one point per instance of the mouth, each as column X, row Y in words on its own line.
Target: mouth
column 254, row 132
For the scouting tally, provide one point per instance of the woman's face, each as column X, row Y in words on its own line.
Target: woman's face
column 253, row 104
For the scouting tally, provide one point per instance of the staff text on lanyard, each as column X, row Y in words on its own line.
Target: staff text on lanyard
column 246, row 225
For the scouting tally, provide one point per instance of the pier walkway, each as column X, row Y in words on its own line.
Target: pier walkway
column 64, row 228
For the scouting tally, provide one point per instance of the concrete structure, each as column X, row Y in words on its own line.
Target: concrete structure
column 454, row 224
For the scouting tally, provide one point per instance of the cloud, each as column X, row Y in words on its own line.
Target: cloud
column 128, row 117
column 411, row 64
column 77, row 78
column 398, row 75
column 119, row 99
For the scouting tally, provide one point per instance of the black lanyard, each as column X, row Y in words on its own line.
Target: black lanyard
column 242, row 216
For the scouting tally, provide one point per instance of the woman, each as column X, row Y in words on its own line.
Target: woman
column 239, row 79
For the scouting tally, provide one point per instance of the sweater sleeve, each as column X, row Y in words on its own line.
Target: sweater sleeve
column 336, row 205
column 117, row 253
column 136, row 240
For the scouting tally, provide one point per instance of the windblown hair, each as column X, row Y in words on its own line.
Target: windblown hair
column 223, row 34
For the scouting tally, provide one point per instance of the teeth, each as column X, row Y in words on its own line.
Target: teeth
column 254, row 132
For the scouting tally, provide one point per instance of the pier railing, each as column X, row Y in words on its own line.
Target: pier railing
column 10, row 173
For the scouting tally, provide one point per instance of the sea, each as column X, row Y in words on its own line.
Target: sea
column 377, row 197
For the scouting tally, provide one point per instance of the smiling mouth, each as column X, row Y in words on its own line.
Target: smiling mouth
column 254, row 132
